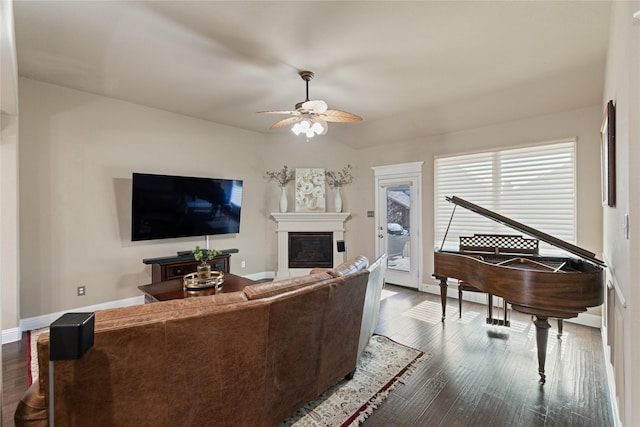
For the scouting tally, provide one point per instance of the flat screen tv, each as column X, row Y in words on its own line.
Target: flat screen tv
column 166, row 206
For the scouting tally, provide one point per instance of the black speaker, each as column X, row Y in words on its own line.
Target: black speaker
column 71, row 336
column 341, row 247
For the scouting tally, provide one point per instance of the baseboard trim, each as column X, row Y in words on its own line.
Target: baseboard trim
column 611, row 382
column 46, row 319
column 261, row 276
column 11, row 335
column 585, row 319
column 15, row 334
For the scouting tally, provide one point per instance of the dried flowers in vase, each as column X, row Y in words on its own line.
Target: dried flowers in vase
column 340, row 178
column 282, row 177
column 337, row 180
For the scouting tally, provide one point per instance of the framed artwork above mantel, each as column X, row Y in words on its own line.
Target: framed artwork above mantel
column 608, row 155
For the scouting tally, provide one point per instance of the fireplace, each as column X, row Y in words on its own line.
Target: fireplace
column 308, row 240
column 310, row 249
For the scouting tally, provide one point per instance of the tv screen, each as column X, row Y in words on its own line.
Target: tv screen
column 166, row 206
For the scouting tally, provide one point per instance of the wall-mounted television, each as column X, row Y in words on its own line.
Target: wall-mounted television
column 165, row 206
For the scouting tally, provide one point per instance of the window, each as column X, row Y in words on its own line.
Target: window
column 533, row 185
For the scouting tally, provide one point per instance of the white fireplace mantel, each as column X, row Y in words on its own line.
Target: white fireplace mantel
column 310, row 222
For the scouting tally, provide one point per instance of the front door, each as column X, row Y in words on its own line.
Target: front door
column 398, row 222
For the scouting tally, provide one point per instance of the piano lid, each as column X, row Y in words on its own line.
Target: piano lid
column 576, row 250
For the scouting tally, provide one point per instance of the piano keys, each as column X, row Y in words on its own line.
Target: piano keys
column 543, row 286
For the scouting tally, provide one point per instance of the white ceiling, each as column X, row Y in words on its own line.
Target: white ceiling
column 410, row 69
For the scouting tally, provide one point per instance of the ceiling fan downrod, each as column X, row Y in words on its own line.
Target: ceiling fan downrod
column 306, row 76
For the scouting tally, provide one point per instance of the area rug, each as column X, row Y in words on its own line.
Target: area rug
column 32, row 354
column 383, row 365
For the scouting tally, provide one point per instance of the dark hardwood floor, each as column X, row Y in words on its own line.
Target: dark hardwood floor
column 482, row 375
column 14, row 377
column 477, row 375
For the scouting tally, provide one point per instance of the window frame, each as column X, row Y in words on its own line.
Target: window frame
column 514, row 182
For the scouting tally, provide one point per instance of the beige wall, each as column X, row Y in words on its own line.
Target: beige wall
column 622, row 85
column 9, row 221
column 77, row 154
column 583, row 124
column 8, row 175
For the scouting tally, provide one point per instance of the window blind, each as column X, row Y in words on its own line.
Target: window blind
column 534, row 185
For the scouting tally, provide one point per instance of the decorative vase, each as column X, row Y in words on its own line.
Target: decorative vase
column 283, row 200
column 204, row 271
column 338, row 200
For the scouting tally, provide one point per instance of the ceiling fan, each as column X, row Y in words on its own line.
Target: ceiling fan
column 311, row 117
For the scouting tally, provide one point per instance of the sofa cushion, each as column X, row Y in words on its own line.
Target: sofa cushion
column 269, row 289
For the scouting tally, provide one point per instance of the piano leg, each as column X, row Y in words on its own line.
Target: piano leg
column 560, row 328
column 490, row 309
column 443, row 295
column 506, row 317
column 542, row 334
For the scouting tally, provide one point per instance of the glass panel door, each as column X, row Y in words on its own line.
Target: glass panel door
column 398, row 222
column 398, row 245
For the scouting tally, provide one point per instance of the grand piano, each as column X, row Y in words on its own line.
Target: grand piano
column 543, row 286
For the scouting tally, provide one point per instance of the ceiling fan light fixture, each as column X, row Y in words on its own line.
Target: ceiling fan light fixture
column 311, row 117
column 300, row 127
column 317, row 128
column 308, row 127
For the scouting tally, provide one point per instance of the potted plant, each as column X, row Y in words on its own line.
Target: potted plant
column 337, row 180
column 282, row 177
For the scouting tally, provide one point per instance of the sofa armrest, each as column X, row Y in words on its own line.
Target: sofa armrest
column 269, row 289
column 32, row 409
column 372, row 301
column 349, row 267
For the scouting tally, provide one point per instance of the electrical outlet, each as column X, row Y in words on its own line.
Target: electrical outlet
column 81, row 291
column 243, row 264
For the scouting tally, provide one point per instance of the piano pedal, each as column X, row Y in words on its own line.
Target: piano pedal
column 498, row 322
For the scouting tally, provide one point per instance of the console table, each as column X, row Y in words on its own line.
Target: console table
column 175, row 267
column 173, row 289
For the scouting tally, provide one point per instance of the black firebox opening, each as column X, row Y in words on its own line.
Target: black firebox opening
column 311, row 250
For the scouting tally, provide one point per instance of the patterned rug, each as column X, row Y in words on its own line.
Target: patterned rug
column 383, row 365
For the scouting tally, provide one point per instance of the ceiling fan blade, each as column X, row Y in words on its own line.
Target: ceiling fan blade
column 317, row 106
column 278, row 112
column 286, row 122
column 340, row 116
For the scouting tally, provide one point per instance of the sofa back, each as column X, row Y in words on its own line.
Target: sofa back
column 246, row 358
column 163, row 372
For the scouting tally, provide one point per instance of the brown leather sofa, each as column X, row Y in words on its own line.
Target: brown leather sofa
column 248, row 358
